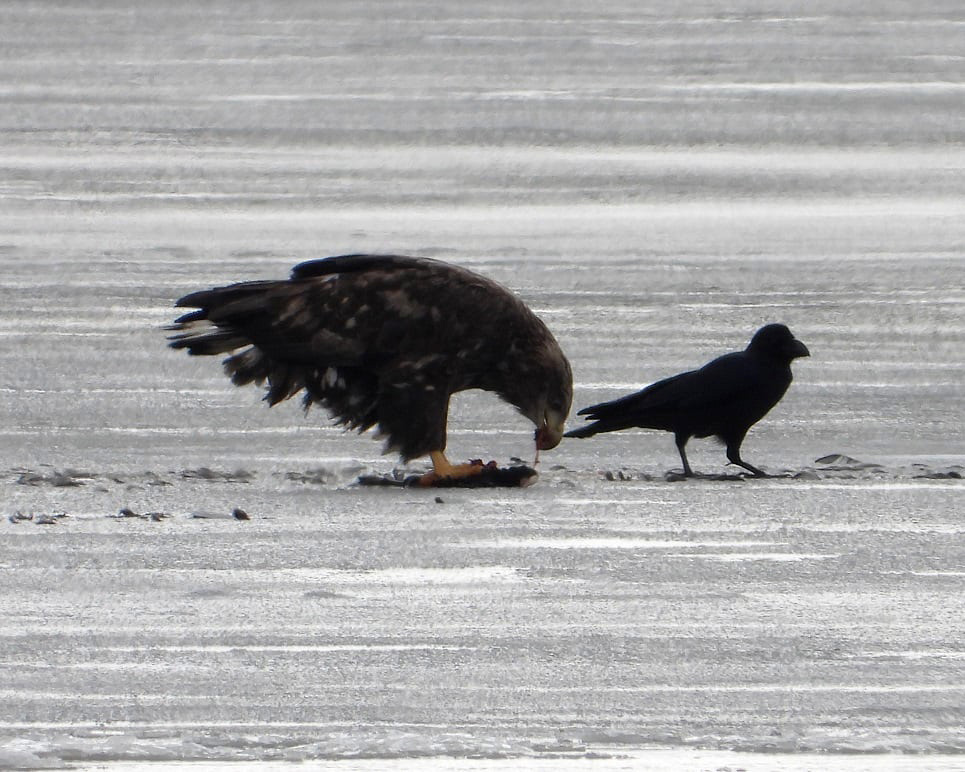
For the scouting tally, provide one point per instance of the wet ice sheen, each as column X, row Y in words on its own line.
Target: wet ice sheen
column 657, row 186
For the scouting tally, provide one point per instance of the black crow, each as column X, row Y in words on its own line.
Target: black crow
column 724, row 398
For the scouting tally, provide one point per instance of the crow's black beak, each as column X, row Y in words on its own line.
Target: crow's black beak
column 798, row 349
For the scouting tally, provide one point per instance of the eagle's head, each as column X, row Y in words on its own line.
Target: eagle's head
column 548, row 397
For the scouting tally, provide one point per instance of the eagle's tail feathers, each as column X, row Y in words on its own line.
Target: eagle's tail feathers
column 212, row 299
column 248, row 366
column 349, row 394
column 207, row 341
column 284, row 382
column 252, row 366
column 186, row 319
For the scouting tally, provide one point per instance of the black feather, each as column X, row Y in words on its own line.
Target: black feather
column 724, row 398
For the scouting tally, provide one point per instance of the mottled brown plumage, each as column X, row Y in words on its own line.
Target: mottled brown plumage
column 384, row 340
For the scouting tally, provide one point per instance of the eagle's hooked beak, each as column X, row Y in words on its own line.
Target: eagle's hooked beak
column 550, row 431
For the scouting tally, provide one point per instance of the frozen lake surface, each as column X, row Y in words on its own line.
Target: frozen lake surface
column 656, row 185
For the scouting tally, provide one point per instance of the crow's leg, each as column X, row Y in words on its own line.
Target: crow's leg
column 681, row 440
column 734, row 456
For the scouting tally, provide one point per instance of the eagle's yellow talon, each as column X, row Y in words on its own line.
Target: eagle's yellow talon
column 443, row 470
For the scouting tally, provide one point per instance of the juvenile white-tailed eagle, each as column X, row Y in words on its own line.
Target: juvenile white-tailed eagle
column 385, row 340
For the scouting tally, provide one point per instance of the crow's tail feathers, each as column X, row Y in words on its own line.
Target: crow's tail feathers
column 606, row 417
column 596, row 428
column 583, row 431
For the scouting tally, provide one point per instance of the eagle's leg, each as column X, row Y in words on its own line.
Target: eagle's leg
column 442, row 469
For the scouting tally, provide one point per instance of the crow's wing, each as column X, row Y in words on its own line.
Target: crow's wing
column 697, row 401
column 716, row 384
